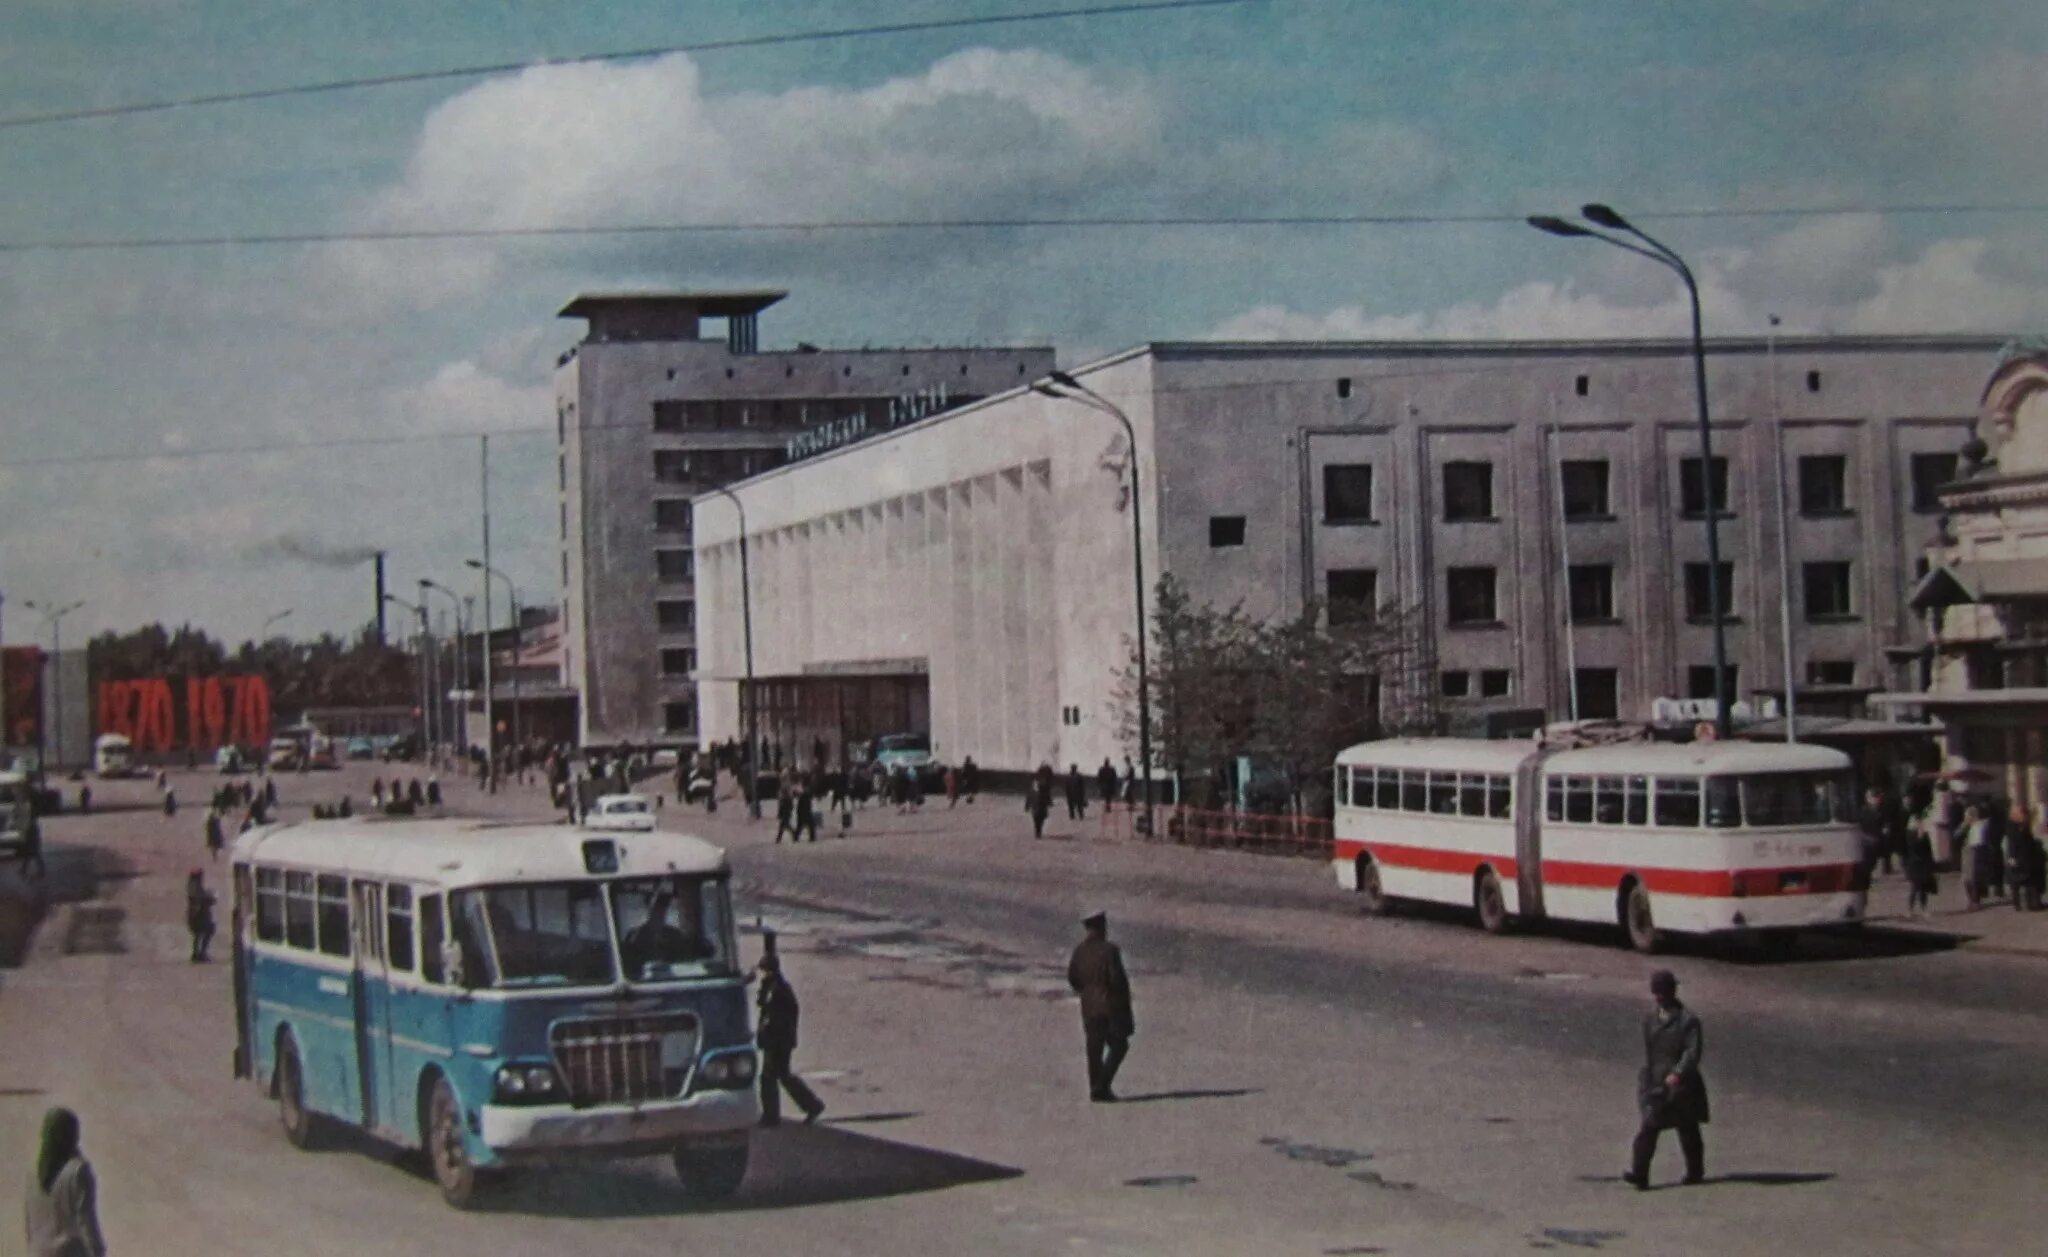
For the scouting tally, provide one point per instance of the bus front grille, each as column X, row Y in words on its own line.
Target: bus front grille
column 624, row 1060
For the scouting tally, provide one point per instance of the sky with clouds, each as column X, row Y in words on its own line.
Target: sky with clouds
column 345, row 381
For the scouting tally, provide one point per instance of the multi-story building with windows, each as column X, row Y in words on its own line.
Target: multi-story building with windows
column 650, row 413
column 1538, row 506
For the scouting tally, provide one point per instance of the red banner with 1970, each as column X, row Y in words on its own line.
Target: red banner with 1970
column 195, row 713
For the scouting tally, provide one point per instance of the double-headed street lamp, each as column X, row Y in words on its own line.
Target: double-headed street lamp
column 1664, row 255
column 748, row 699
column 53, row 619
column 420, row 660
column 1064, row 387
column 512, row 605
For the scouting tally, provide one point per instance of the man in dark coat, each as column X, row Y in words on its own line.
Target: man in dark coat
column 1096, row 973
column 1670, row 1093
column 775, row 1034
column 216, row 834
column 806, row 814
column 1105, row 780
column 1077, row 794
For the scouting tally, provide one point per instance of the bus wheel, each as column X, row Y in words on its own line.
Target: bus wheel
column 711, row 1174
column 301, row 1127
column 1490, row 904
column 446, row 1151
column 1369, row 888
column 1637, row 922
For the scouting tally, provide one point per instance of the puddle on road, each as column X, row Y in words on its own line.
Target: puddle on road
column 1316, row 1154
column 943, row 963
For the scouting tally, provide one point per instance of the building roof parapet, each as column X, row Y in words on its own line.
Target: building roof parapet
column 1624, row 346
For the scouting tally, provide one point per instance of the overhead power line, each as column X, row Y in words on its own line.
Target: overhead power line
column 628, row 54
column 403, row 235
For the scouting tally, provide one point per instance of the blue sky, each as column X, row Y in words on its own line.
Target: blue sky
column 1279, row 107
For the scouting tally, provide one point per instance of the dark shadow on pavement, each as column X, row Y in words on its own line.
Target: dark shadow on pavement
column 1190, row 1094
column 1767, row 1178
column 792, row 1167
column 863, row 1119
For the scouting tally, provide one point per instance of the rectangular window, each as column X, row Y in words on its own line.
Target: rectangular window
column 1468, row 491
column 1500, row 797
column 431, row 967
column 1414, row 790
column 1592, row 593
column 678, row 661
column 672, row 515
column 1696, row 491
column 332, row 894
column 1578, row 800
column 1386, row 789
column 1469, row 596
column 1827, row 591
column 1456, row 684
column 1823, row 484
column 1225, row 531
column 562, row 472
column 676, row 615
column 269, row 905
column 1678, row 802
column 1700, row 591
column 1609, row 800
column 670, row 417
column 1347, row 493
column 1724, row 803
column 1930, row 472
column 1353, row 594
column 675, row 466
column 1831, row 672
column 1599, row 693
column 1553, row 798
column 1360, row 787
column 678, row 717
column 398, row 926
column 1472, row 794
column 298, row 910
column 565, row 569
column 1585, row 489
column 1443, row 793
column 674, row 565
column 1494, row 682
column 1699, row 682
column 562, row 512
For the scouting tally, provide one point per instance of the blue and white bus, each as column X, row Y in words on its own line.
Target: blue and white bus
column 496, row 994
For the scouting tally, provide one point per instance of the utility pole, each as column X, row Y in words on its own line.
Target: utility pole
column 490, row 712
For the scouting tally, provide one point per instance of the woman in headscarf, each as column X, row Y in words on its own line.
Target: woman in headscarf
column 63, row 1219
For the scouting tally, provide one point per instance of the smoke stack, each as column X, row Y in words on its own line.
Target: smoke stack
column 380, row 598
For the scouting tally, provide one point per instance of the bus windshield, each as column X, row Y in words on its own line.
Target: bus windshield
column 559, row 934
column 1814, row 798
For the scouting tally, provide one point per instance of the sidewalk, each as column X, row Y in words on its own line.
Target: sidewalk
column 1993, row 928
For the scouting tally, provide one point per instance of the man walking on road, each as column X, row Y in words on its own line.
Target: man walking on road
column 1077, row 794
column 1096, row 973
column 1105, row 780
column 1670, row 1092
column 198, row 915
column 775, row 1035
column 216, row 836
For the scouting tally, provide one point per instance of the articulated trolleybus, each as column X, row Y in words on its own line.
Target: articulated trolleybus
column 1699, row 838
column 496, row 994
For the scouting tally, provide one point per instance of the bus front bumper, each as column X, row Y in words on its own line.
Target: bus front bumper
column 543, row 1131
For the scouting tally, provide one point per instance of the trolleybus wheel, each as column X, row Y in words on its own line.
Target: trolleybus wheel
column 1369, row 888
column 1637, row 922
column 1488, row 901
column 446, row 1151
column 301, row 1127
column 711, row 1173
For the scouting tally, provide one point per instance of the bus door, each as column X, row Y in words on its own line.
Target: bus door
column 245, row 1013
column 372, row 1001
column 1529, row 836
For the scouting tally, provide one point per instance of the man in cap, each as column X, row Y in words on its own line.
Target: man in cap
column 1670, row 1092
column 775, row 1035
column 1096, row 973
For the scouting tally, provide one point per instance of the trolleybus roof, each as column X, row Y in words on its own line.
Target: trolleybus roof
column 1704, row 759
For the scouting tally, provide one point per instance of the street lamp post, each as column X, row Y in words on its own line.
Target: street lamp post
column 748, row 698
column 53, row 618
column 1664, row 255
column 1064, row 387
column 512, row 605
column 461, row 670
column 420, row 664
column 263, row 634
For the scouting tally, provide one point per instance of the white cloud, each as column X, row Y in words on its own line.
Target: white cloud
column 466, row 397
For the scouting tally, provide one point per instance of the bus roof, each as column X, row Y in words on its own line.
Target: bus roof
column 1472, row 755
column 1698, row 758
column 467, row 852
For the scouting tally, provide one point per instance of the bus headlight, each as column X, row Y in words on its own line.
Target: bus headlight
column 727, row 1071
column 525, row 1084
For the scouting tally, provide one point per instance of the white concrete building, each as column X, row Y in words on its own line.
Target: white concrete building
column 970, row 575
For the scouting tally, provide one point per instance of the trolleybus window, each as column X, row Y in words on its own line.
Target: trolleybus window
column 1386, row 789
column 1678, row 802
column 1724, row 803
column 269, row 905
column 1414, row 790
column 1795, row 798
column 1472, row 794
column 1578, row 799
column 398, row 925
column 1608, row 800
column 298, row 910
column 1443, row 793
column 1499, row 797
column 1362, row 787
column 333, row 901
column 1637, row 810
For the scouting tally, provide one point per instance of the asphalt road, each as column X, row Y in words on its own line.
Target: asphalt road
column 1305, row 1080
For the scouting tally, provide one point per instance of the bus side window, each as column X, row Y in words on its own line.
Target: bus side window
column 1553, row 798
column 1578, row 799
column 1638, row 812
column 1386, row 790
column 430, row 940
column 333, row 900
column 1724, row 803
column 1472, row 794
column 1363, row 793
column 1443, row 794
column 1678, row 802
column 398, row 926
column 1499, row 797
column 1607, row 805
column 269, row 905
column 298, row 910
column 1414, row 790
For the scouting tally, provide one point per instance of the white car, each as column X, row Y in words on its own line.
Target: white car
column 633, row 812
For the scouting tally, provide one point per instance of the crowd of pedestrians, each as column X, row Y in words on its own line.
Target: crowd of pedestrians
column 1995, row 845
